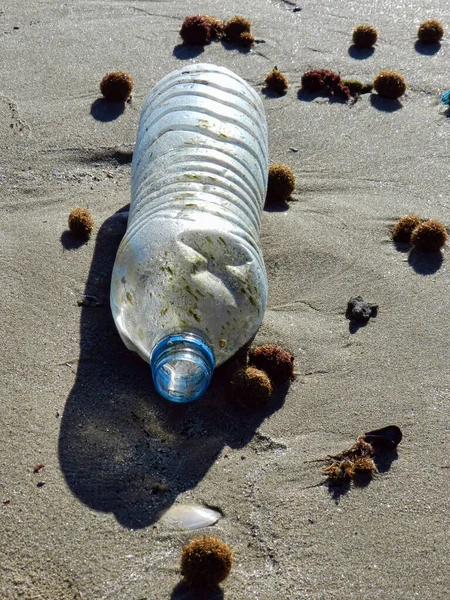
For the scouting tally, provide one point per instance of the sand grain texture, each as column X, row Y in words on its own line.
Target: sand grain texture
column 75, row 400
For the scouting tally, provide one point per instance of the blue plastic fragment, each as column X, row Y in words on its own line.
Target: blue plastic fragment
column 445, row 98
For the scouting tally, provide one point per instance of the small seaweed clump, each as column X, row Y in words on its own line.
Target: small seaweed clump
column 430, row 32
column 402, row 230
column 196, row 30
column 390, row 84
column 251, row 386
column 364, row 36
column 356, row 460
column 274, row 360
column 246, row 39
column 324, row 80
column 277, row 81
column 238, row 30
column 357, row 87
column 429, row 236
column 215, row 27
column 116, row 86
column 80, row 223
column 206, row 561
column 280, row 184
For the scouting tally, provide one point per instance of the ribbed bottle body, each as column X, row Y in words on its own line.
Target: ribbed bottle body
column 190, row 260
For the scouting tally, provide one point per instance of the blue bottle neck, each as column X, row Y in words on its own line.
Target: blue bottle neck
column 182, row 366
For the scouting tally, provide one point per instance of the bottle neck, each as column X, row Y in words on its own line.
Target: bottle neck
column 182, row 366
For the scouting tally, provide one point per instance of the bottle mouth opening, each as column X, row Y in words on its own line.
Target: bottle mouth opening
column 182, row 366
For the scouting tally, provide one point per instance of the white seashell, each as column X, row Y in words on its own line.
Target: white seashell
column 189, row 516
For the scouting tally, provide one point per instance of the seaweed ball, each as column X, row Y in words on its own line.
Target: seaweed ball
column 364, row 36
column 215, row 27
column 274, row 360
column 430, row 31
column 277, row 81
column 404, row 227
column 235, row 27
column 246, row 39
column 206, row 561
column 80, row 223
column 116, row 86
column 280, row 184
column 251, row 386
column 390, row 84
column 316, row 79
column 196, row 30
column 429, row 236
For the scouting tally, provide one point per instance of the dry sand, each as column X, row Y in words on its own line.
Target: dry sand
column 75, row 400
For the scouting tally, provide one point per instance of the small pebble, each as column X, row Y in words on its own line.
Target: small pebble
column 359, row 310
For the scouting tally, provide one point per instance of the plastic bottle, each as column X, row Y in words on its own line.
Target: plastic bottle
column 189, row 286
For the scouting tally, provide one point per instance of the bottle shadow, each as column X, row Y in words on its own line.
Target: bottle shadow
column 122, row 448
column 110, row 156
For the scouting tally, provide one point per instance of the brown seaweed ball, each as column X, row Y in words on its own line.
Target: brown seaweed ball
column 206, row 561
column 251, row 386
column 324, row 80
column 80, row 223
column 274, row 360
column 116, row 86
column 314, row 81
column 429, row 236
column 277, row 81
column 196, row 30
column 215, row 27
column 364, row 36
column 404, row 227
column 235, row 27
column 246, row 39
column 389, row 84
column 280, row 184
column 430, row 31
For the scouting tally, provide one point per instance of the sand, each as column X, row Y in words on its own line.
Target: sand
column 75, row 400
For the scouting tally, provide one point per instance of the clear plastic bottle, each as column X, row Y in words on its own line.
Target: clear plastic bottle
column 189, row 286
